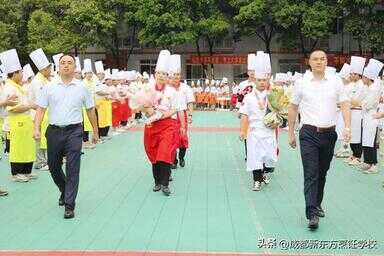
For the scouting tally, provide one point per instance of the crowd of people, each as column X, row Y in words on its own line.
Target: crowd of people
column 48, row 118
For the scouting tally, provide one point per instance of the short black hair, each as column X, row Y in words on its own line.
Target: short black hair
column 10, row 75
column 317, row 50
column 68, row 54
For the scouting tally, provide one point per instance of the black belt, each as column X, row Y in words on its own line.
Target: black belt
column 66, row 127
column 320, row 129
column 355, row 108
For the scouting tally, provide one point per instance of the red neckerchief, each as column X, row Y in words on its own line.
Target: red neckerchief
column 160, row 90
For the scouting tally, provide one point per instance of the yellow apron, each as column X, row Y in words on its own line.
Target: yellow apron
column 43, row 129
column 22, row 143
column 1, row 129
column 87, row 123
column 91, row 87
column 104, row 112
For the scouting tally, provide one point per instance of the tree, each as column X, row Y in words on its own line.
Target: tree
column 9, row 23
column 86, row 21
column 210, row 24
column 254, row 17
column 305, row 20
column 164, row 23
column 364, row 24
column 44, row 31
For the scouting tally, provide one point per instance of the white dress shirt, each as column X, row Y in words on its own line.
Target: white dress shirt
column 317, row 99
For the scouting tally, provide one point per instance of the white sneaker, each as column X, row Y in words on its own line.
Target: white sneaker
column 114, row 133
column 355, row 162
column 256, row 186
column 89, row 145
column 364, row 166
column 107, row 137
column 44, row 168
column 373, row 169
column 20, row 178
column 31, row 176
column 121, row 130
column 349, row 159
column 266, row 178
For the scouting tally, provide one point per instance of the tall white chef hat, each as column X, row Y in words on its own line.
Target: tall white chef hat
column 372, row 70
column 78, row 64
column 10, row 60
column 87, row 66
column 99, row 67
column 163, row 61
column 39, row 59
column 175, row 64
column 261, row 68
column 27, row 72
column 345, row 71
column 107, row 73
column 357, row 64
column 251, row 61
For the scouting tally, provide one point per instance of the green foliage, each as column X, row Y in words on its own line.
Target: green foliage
column 63, row 25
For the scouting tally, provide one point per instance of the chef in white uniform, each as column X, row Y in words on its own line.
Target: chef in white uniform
column 355, row 93
column 261, row 141
column 369, row 110
column 343, row 151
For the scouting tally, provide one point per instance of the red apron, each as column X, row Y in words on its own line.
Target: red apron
column 116, row 114
column 182, row 141
column 125, row 110
column 234, row 100
column 160, row 140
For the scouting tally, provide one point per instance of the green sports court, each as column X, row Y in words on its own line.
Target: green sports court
column 212, row 210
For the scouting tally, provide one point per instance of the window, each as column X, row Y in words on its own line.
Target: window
column 289, row 65
column 148, row 66
column 195, row 72
column 240, row 73
column 226, row 43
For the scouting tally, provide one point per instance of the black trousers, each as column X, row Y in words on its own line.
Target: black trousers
column 316, row 152
column 21, row 168
column 85, row 136
column 182, row 153
column 65, row 142
column 138, row 115
column 357, row 149
column 103, row 132
column 7, row 145
column 161, row 172
column 258, row 174
column 370, row 155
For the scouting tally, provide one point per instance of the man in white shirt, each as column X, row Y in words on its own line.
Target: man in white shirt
column 317, row 95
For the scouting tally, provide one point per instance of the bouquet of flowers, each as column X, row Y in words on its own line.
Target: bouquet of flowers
column 143, row 96
column 278, row 108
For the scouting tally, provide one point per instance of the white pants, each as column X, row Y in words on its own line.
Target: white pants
column 260, row 151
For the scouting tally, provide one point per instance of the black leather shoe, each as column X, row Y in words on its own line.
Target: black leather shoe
column 69, row 214
column 61, row 200
column 156, row 188
column 173, row 166
column 313, row 223
column 166, row 190
column 320, row 212
column 182, row 163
